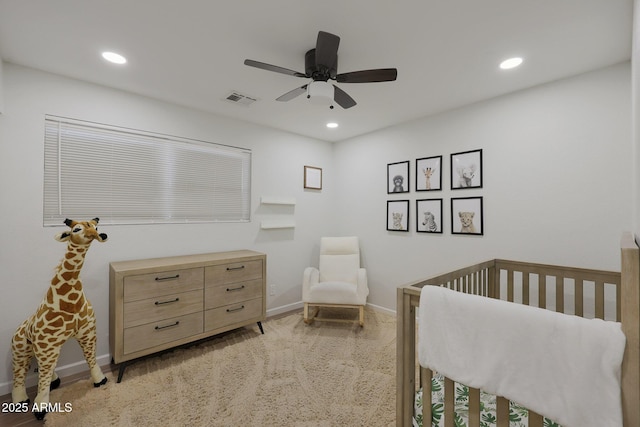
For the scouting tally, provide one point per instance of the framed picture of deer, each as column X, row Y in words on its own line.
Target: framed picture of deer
column 429, row 216
column 429, row 174
column 466, row 170
column 467, row 216
column 397, row 215
column 398, row 177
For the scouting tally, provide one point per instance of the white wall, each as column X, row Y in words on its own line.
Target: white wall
column 557, row 164
column 28, row 252
column 557, row 181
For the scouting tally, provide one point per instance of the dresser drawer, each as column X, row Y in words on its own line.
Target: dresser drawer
column 165, row 307
column 233, row 272
column 168, row 282
column 162, row 332
column 225, row 294
column 233, row 313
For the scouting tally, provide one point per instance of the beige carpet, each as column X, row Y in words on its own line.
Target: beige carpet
column 324, row 374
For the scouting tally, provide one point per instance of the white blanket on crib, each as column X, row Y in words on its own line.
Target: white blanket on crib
column 562, row 366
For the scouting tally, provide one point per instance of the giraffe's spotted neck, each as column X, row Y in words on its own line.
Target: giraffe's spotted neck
column 66, row 287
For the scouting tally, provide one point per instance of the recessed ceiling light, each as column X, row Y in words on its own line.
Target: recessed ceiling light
column 332, row 125
column 116, row 58
column 507, row 64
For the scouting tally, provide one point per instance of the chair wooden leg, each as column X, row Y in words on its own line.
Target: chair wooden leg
column 306, row 314
column 361, row 315
column 308, row 319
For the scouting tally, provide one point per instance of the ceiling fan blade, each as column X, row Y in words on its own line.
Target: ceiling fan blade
column 327, row 50
column 342, row 98
column 368, row 76
column 274, row 68
column 292, row 94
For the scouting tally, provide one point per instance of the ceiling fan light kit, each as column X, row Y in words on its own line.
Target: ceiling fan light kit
column 321, row 65
column 321, row 93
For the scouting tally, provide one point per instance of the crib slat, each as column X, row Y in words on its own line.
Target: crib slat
column 535, row 419
column 542, row 291
column 502, row 412
column 560, row 294
column 525, row 288
column 449, row 404
column 474, row 407
column 426, row 376
column 600, row 299
column 510, row 285
column 579, row 299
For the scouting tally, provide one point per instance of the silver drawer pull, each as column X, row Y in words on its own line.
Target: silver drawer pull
column 235, row 268
column 231, row 310
column 167, row 302
column 177, row 322
column 239, row 288
column 160, row 279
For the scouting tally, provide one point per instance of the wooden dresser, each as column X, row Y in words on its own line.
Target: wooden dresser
column 160, row 303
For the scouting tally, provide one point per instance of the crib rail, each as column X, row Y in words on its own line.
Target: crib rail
column 583, row 292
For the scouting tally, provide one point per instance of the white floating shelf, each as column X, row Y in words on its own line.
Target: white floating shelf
column 277, row 223
column 274, row 200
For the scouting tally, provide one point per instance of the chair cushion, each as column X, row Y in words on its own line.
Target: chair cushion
column 334, row 293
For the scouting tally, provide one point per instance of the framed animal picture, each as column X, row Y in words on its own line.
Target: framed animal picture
column 397, row 215
column 466, row 170
column 467, row 216
column 429, row 174
column 398, row 177
column 429, row 216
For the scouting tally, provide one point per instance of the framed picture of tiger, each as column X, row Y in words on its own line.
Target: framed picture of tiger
column 429, row 216
column 397, row 215
column 467, row 216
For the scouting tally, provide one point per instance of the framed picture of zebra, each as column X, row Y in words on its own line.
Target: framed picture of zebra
column 466, row 170
column 429, row 173
column 398, row 177
column 397, row 215
column 467, row 216
column 429, row 216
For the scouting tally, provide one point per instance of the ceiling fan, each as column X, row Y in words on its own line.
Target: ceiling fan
column 321, row 64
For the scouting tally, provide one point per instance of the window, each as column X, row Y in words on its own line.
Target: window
column 125, row 176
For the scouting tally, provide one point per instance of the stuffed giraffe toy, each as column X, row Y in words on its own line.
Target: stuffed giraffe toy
column 64, row 313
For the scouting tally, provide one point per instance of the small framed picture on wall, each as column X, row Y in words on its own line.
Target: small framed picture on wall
column 398, row 177
column 467, row 216
column 312, row 178
column 466, row 170
column 429, row 174
column 398, row 215
column 429, row 216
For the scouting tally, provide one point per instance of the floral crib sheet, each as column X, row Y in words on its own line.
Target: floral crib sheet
column 517, row 415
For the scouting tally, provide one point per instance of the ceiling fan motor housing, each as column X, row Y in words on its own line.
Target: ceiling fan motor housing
column 319, row 72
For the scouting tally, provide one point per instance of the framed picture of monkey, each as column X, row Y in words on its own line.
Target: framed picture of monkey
column 429, row 174
column 398, row 177
column 467, row 216
column 466, row 170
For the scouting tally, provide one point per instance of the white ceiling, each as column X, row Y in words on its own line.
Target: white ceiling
column 191, row 52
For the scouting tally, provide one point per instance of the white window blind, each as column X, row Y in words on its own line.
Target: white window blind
column 125, row 176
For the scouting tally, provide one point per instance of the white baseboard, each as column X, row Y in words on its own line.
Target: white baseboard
column 285, row 308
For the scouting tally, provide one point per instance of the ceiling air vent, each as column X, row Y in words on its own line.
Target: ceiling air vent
column 238, row 98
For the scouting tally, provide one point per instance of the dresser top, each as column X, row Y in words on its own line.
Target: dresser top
column 150, row 265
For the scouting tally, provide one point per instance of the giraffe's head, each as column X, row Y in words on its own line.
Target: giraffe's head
column 82, row 232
